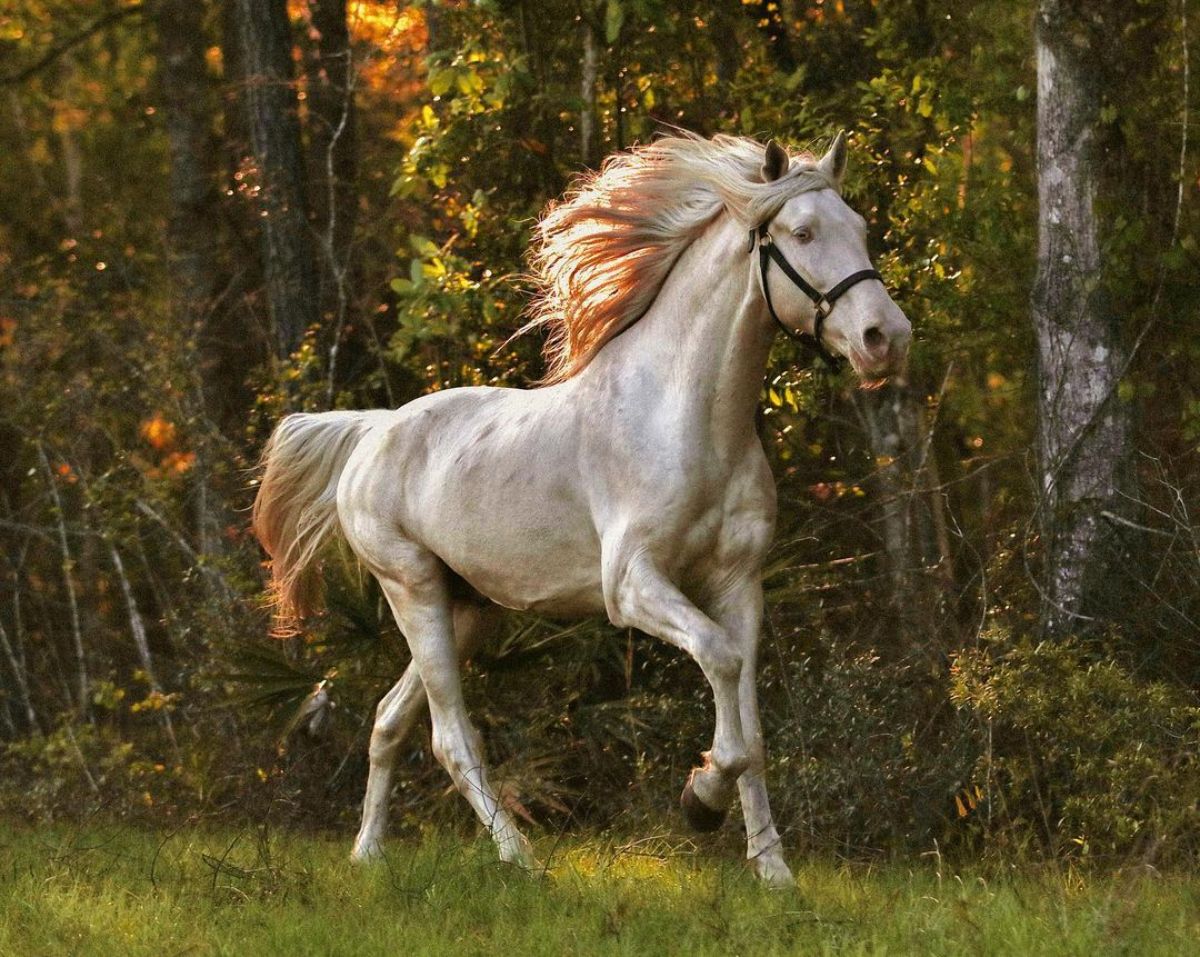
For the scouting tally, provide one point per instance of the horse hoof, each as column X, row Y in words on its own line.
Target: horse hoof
column 700, row 816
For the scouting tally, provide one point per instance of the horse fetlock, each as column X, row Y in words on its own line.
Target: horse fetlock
column 729, row 764
column 714, row 784
column 772, row 870
column 700, row 814
column 366, row 848
column 515, row 848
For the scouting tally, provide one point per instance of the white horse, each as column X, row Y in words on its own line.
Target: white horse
column 632, row 483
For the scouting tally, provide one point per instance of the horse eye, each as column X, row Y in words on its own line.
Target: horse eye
column 803, row 234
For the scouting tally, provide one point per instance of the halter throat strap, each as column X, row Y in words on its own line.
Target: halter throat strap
column 768, row 252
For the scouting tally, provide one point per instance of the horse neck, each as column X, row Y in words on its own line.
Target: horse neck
column 701, row 349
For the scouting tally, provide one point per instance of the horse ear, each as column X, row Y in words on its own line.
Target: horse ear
column 833, row 163
column 775, row 163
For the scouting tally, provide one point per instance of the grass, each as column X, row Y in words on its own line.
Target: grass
column 114, row 890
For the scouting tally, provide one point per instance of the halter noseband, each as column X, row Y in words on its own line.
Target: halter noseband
column 767, row 251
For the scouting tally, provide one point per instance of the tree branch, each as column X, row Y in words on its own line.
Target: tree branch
column 55, row 52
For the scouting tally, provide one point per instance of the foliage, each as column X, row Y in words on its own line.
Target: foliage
column 1084, row 756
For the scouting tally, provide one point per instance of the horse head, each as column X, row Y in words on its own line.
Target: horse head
column 817, row 278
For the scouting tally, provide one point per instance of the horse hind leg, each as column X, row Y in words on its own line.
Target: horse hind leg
column 395, row 716
column 415, row 582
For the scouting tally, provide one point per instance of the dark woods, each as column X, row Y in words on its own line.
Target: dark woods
column 983, row 599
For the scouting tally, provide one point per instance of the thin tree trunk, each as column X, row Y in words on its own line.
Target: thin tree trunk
column 274, row 124
column 728, row 46
column 333, row 126
column 192, row 181
column 769, row 17
column 16, row 663
column 82, row 678
column 333, row 146
column 18, row 635
column 72, row 159
column 1084, row 428
column 911, row 525
column 137, row 627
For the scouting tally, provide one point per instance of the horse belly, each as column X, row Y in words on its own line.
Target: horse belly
column 524, row 555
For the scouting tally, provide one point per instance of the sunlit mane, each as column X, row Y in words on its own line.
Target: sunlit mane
column 602, row 253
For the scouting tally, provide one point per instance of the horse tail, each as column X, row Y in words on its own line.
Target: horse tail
column 295, row 511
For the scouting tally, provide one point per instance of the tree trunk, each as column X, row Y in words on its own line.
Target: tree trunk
column 768, row 16
column 193, row 231
column 141, row 641
column 333, row 151
column 588, row 140
column 83, row 681
column 910, row 516
column 282, row 197
column 728, row 46
column 333, row 126
column 15, row 656
column 1084, row 428
column 191, row 224
column 72, row 159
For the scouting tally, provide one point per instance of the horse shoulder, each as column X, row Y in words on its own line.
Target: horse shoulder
column 749, row 508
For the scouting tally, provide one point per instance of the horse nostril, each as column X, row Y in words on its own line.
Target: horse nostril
column 874, row 339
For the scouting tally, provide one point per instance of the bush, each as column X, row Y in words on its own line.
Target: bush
column 1084, row 758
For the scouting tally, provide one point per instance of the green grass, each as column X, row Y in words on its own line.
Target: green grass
column 108, row 891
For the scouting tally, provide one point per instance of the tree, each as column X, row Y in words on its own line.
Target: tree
column 1084, row 427
column 271, row 105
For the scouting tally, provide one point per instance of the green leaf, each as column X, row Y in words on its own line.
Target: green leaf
column 469, row 81
column 614, row 19
column 423, row 246
column 440, row 81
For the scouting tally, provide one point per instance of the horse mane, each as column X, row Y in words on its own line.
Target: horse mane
column 602, row 253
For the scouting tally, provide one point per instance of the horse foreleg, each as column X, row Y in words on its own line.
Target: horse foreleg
column 395, row 716
column 741, row 614
column 640, row 596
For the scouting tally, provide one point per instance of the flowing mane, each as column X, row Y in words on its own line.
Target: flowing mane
column 602, row 253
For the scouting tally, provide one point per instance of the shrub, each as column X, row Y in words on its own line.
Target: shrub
column 1085, row 758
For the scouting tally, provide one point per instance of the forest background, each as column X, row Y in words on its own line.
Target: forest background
column 213, row 213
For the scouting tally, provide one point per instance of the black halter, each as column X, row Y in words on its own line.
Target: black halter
column 767, row 251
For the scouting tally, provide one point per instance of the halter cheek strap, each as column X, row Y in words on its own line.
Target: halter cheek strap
column 768, row 252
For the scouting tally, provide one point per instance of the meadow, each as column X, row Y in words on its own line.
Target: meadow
column 106, row 890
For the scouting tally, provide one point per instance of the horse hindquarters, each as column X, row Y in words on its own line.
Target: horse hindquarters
column 416, row 583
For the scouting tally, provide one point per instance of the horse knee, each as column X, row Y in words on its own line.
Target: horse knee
column 385, row 739
column 717, row 656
